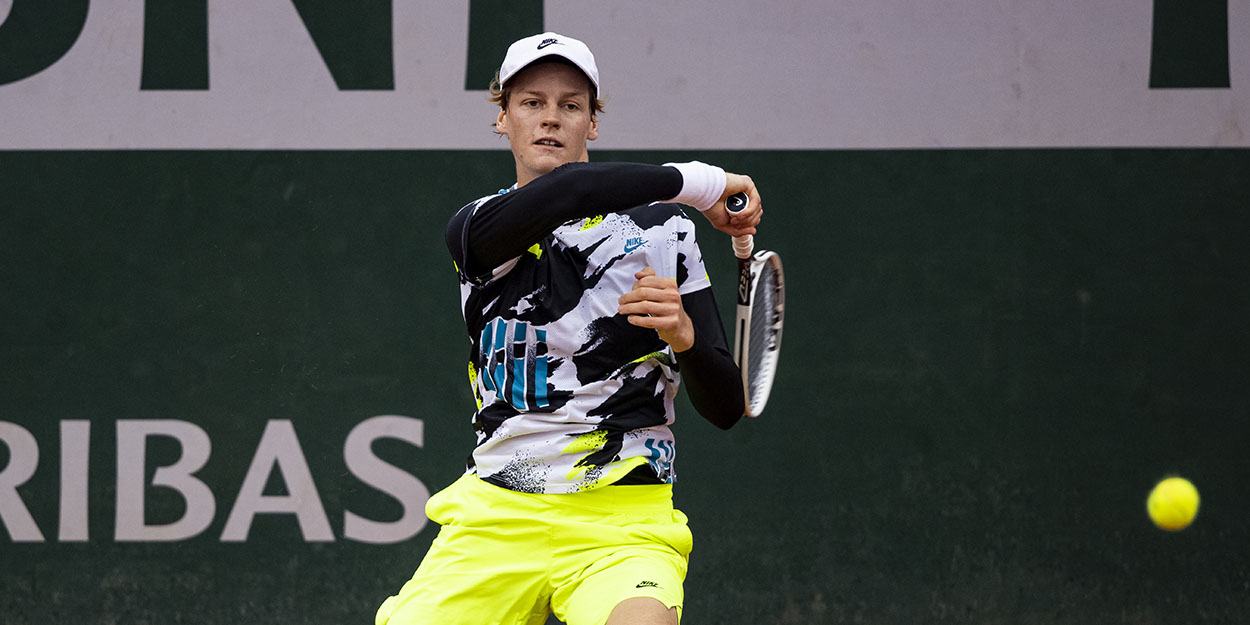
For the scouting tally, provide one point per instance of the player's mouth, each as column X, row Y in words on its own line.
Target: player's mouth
column 551, row 143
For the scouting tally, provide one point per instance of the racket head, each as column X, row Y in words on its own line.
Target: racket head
column 759, row 327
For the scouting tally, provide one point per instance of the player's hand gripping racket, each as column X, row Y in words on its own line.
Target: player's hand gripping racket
column 761, row 311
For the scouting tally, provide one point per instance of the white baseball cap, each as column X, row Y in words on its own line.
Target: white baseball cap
column 525, row 51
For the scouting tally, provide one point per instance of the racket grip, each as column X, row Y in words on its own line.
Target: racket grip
column 745, row 244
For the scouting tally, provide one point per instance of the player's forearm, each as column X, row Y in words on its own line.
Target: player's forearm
column 708, row 372
column 507, row 225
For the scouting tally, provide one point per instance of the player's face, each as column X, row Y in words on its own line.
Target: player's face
column 548, row 119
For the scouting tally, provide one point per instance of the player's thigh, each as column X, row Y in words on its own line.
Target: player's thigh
column 468, row 578
column 642, row 611
column 628, row 543
column 488, row 564
column 639, row 580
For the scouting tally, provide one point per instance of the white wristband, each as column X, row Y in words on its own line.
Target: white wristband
column 701, row 184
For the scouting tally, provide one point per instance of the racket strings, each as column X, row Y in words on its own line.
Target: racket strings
column 763, row 342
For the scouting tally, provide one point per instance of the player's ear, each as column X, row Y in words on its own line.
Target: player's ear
column 594, row 129
column 501, row 122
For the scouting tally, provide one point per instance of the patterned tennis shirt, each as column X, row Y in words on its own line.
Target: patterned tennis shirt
column 570, row 395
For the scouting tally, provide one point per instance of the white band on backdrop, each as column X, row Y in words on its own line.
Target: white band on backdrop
column 806, row 74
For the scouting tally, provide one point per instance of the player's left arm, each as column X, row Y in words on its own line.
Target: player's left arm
column 691, row 325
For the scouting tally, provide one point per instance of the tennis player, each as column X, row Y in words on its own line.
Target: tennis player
column 586, row 303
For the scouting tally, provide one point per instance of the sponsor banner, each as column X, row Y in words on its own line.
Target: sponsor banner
column 277, row 74
column 279, row 453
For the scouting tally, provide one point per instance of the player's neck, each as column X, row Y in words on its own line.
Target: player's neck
column 525, row 175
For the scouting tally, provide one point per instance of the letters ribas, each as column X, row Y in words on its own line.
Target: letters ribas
column 278, row 449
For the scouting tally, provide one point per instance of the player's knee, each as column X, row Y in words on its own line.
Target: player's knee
column 642, row 611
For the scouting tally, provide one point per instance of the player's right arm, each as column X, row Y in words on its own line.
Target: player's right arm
column 743, row 222
column 486, row 234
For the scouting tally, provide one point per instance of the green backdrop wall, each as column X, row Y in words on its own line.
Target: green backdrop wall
column 990, row 357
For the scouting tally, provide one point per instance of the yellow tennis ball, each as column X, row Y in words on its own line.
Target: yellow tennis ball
column 1172, row 504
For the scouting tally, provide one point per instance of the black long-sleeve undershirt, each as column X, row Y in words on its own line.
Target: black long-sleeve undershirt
column 506, row 225
column 712, row 379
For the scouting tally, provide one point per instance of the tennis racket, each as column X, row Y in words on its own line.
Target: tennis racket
column 761, row 311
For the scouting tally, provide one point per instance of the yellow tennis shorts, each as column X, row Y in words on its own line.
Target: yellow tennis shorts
column 508, row 558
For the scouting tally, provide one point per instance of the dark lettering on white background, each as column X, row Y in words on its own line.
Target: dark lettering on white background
column 1189, row 45
column 354, row 39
